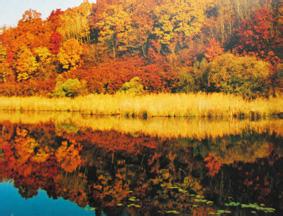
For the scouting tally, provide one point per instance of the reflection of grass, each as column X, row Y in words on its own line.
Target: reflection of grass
column 161, row 127
column 212, row 105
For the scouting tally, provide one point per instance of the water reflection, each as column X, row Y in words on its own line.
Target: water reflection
column 124, row 168
column 12, row 204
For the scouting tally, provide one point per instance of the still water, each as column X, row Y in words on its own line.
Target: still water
column 68, row 164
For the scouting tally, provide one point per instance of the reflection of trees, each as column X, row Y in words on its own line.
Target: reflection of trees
column 244, row 182
column 110, row 169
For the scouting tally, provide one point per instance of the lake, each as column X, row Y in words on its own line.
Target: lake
column 71, row 164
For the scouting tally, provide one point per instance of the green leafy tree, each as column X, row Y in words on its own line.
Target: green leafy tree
column 192, row 79
column 246, row 75
column 69, row 88
column 133, row 87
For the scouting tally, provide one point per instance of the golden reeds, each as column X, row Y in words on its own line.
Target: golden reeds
column 153, row 105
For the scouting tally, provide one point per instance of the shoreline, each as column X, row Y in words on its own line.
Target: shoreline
column 216, row 105
column 156, row 127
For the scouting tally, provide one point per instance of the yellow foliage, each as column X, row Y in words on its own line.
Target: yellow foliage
column 75, row 23
column 43, row 55
column 25, row 64
column 178, row 19
column 3, row 54
column 3, row 64
column 70, row 53
column 114, row 27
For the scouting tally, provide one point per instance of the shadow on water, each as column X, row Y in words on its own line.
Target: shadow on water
column 154, row 167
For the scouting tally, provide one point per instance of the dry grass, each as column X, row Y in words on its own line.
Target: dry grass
column 158, row 127
column 154, row 105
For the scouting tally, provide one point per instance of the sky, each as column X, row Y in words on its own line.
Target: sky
column 11, row 10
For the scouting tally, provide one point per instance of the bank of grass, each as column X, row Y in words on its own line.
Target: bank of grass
column 152, row 105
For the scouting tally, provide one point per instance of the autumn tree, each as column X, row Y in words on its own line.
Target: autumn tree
column 142, row 24
column 44, row 58
column 213, row 49
column 224, row 17
column 114, row 28
column 25, row 64
column 75, row 23
column 31, row 32
column 176, row 21
column 69, row 55
column 3, row 64
column 55, row 42
column 256, row 36
column 54, row 19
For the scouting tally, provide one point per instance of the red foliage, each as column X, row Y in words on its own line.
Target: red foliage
column 109, row 76
column 55, row 42
column 213, row 164
column 123, row 142
column 256, row 36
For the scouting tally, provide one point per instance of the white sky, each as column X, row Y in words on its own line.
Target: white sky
column 11, row 10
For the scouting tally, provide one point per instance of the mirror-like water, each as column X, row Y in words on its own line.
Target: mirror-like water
column 114, row 166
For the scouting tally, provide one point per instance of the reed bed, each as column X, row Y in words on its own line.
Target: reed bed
column 152, row 105
column 156, row 127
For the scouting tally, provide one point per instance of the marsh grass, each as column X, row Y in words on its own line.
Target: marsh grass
column 196, row 128
column 152, row 105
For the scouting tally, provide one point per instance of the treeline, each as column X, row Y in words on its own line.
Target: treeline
column 145, row 46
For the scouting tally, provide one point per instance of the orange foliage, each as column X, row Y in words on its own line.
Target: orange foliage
column 213, row 49
column 213, row 164
column 68, row 156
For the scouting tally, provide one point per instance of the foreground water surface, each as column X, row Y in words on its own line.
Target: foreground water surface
column 68, row 164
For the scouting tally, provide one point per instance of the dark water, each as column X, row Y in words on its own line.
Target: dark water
column 63, row 169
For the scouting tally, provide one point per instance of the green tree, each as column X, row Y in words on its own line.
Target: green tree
column 133, row 87
column 246, row 75
column 69, row 88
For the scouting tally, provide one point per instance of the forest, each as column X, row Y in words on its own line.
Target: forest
column 150, row 46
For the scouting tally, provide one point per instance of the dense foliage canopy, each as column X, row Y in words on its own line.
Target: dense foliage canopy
column 170, row 46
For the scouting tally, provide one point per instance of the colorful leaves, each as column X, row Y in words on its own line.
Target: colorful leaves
column 68, row 156
column 70, row 53
column 25, row 64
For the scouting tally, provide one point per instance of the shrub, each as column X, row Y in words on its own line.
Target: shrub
column 69, row 88
column 192, row 79
column 186, row 83
column 246, row 75
column 133, row 87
